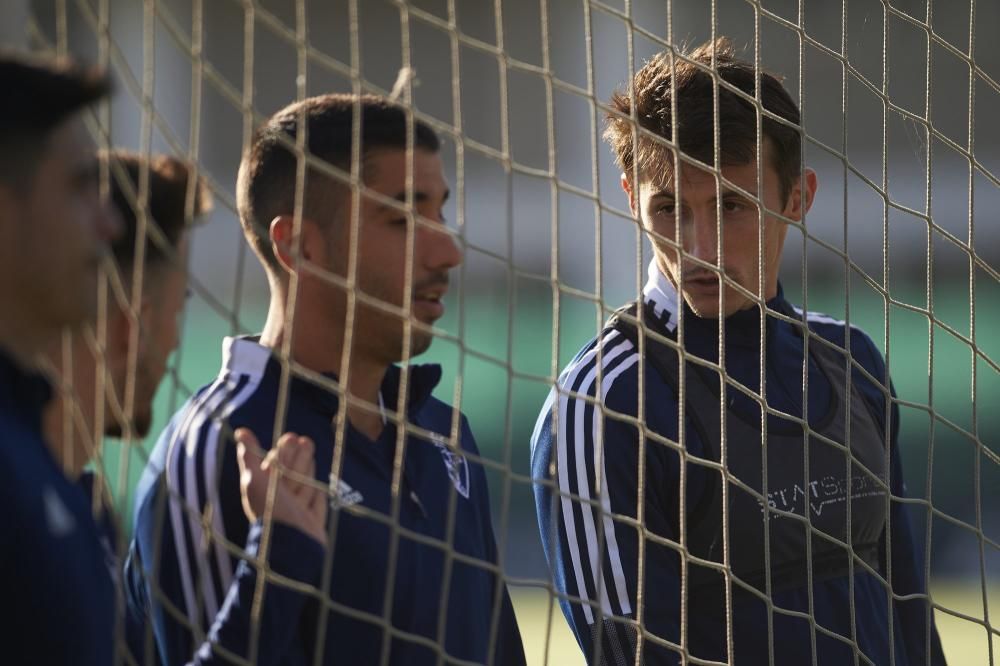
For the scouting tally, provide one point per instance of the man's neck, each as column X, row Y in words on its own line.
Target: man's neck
column 318, row 345
column 68, row 419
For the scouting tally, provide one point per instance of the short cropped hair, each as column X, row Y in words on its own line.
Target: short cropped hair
column 265, row 188
column 166, row 205
column 39, row 94
column 651, row 92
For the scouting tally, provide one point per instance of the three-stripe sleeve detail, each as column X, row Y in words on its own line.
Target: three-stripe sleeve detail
column 192, row 469
column 579, row 448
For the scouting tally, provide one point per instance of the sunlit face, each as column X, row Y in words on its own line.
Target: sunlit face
column 159, row 335
column 383, row 247
column 751, row 243
column 64, row 231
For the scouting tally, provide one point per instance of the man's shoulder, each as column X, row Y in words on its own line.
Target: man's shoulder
column 194, row 432
column 850, row 338
column 602, row 368
column 234, row 399
column 603, row 375
column 437, row 416
column 836, row 330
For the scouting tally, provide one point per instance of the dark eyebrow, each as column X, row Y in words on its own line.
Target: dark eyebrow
column 726, row 192
column 418, row 197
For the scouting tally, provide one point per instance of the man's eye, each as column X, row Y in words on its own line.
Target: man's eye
column 666, row 209
column 735, row 206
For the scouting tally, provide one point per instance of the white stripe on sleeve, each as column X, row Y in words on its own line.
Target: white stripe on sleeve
column 575, row 409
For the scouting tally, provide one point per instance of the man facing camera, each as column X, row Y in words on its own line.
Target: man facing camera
column 717, row 473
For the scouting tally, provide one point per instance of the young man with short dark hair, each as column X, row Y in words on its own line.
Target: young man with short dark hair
column 672, row 532
column 356, row 285
column 54, row 234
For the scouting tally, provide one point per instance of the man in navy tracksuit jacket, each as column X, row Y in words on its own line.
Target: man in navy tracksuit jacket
column 750, row 539
column 408, row 572
column 59, row 599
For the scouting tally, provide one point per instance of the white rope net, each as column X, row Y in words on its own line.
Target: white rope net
column 898, row 103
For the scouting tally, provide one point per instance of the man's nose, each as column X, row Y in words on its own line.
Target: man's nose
column 441, row 252
column 702, row 238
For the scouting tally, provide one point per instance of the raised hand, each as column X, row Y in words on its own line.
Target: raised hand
column 298, row 500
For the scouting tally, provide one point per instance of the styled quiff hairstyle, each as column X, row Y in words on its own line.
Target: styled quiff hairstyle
column 166, row 204
column 39, row 95
column 692, row 77
column 265, row 188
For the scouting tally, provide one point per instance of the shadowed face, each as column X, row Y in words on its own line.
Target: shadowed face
column 751, row 240
column 61, row 230
column 159, row 335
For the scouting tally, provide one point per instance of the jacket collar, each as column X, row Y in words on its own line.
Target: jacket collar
column 246, row 356
column 701, row 335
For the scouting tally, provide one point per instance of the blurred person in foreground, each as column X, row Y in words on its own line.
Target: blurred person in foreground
column 54, row 234
column 79, row 417
column 86, row 363
column 633, row 487
column 172, row 202
column 411, row 571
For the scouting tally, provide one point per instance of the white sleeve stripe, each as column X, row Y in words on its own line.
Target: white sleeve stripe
column 614, row 555
column 567, row 510
column 568, row 378
column 579, row 404
column 222, row 558
column 176, row 511
column 195, row 505
column 583, row 487
column 582, row 481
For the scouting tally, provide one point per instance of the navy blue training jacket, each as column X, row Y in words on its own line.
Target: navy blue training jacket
column 188, row 567
column 589, row 518
column 59, row 603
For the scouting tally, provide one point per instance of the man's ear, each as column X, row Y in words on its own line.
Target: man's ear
column 633, row 203
column 800, row 199
column 311, row 245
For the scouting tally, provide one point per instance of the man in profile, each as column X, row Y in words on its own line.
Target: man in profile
column 54, row 234
column 80, row 416
column 356, row 284
column 160, row 286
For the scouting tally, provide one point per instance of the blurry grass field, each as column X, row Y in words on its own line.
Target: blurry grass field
column 548, row 640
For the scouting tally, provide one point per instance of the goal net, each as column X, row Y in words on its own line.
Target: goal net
column 899, row 103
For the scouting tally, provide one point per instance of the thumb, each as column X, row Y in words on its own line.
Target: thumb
column 248, row 451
